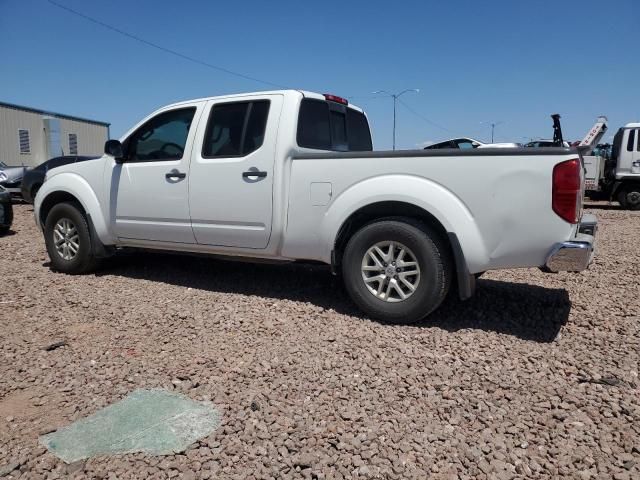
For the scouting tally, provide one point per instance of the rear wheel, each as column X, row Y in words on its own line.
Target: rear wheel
column 397, row 270
column 629, row 197
column 68, row 241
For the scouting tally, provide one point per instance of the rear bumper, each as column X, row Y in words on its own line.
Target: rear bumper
column 574, row 255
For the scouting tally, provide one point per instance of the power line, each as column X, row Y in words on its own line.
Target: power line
column 164, row 49
column 425, row 119
column 367, row 97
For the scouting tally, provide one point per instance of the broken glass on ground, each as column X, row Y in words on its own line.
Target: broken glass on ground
column 155, row 421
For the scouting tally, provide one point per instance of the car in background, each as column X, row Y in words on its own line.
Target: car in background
column 465, row 142
column 34, row 178
column 11, row 178
column 544, row 144
column 6, row 211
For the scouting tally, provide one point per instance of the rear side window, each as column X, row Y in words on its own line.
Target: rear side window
column 631, row 140
column 235, row 129
column 337, row 128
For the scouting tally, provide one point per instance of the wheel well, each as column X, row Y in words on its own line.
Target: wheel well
column 53, row 199
column 379, row 210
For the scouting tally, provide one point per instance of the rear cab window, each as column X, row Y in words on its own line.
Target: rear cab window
column 333, row 126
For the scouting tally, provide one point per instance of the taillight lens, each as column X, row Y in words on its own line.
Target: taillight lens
column 566, row 195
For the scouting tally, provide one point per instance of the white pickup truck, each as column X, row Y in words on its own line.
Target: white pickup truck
column 291, row 176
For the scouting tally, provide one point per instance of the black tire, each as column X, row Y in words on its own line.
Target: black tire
column 433, row 258
column 83, row 260
column 629, row 197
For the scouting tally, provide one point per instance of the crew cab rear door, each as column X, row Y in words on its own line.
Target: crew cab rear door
column 232, row 169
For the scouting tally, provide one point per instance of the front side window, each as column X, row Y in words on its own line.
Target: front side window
column 235, row 129
column 631, row 140
column 638, row 135
column 164, row 137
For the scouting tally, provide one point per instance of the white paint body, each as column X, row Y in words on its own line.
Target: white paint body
column 498, row 206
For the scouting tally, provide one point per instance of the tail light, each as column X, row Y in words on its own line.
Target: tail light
column 566, row 196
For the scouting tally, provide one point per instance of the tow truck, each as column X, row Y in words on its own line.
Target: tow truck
column 613, row 174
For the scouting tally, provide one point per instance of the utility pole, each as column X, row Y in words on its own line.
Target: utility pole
column 493, row 127
column 395, row 97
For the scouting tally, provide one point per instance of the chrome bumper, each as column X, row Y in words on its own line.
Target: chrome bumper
column 574, row 255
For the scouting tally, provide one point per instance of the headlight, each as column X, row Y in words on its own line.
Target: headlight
column 3, row 176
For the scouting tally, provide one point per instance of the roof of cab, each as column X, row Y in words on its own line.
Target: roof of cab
column 304, row 93
column 632, row 125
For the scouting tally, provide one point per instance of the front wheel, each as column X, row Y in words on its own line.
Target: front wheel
column 68, row 241
column 397, row 270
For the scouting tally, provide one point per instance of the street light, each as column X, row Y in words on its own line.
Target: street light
column 395, row 97
column 493, row 127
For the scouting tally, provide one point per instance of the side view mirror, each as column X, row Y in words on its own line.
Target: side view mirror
column 114, row 148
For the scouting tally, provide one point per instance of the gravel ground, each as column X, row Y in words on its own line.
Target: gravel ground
column 535, row 377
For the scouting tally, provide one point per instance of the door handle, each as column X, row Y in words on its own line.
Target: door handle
column 175, row 174
column 254, row 173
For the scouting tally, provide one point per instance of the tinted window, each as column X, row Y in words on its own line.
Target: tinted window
column 235, row 129
column 631, row 140
column 164, row 137
column 256, row 126
column 358, row 128
column 447, row 144
column 464, row 144
column 638, row 140
column 313, row 125
column 338, row 131
column 332, row 128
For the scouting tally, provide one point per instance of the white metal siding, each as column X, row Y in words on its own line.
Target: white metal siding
column 11, row 121
column 91, row 136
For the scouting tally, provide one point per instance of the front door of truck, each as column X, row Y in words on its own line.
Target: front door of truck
column 149, row 194
column 232, row 172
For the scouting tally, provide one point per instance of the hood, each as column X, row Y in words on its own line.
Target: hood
column 11, row 174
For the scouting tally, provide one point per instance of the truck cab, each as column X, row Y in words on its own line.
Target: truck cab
column 626, row 152
column 615, row 174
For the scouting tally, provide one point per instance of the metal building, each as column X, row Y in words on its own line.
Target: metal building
column 29, row 136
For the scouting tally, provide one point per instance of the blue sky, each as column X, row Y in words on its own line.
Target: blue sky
column 510, row 61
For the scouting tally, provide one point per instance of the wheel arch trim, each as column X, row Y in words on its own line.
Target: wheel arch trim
column 77, row 187
column 431, row 198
